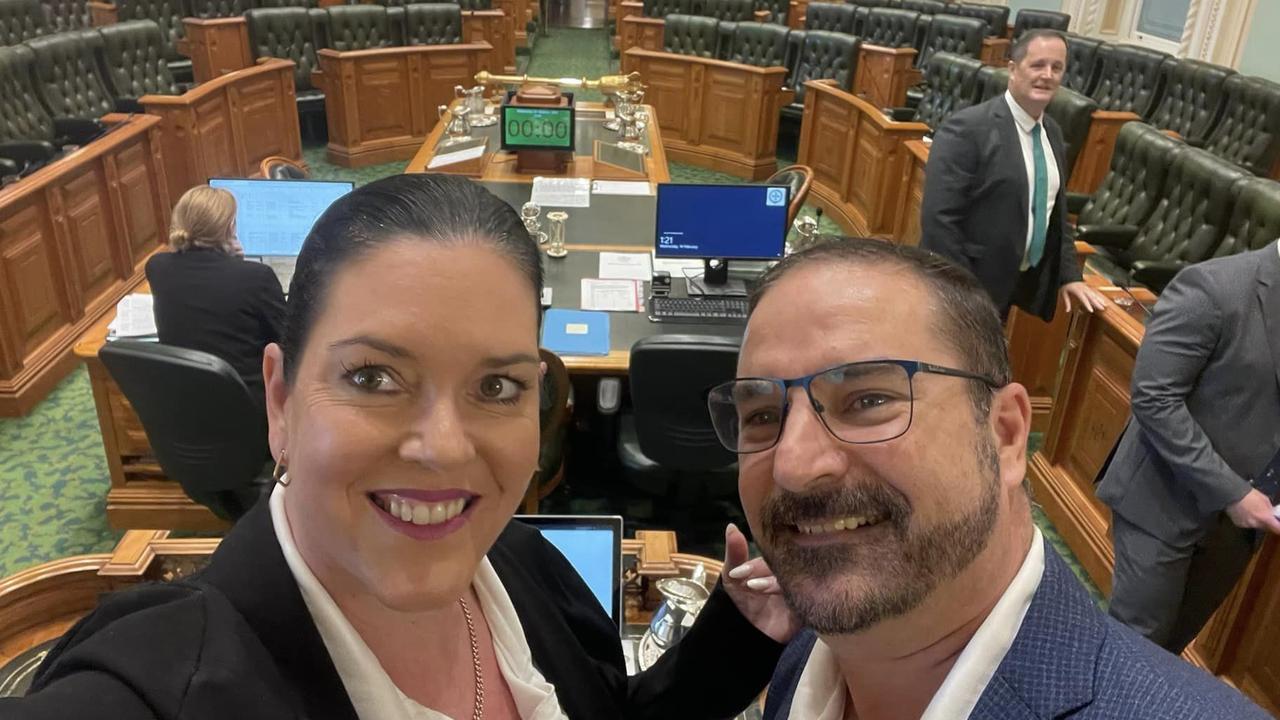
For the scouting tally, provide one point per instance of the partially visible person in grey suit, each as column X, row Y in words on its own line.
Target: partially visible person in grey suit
column 1206, row 419
column 995, row 189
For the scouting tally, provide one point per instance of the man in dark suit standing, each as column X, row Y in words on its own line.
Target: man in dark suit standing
column 1206, row 419
column 995, row 189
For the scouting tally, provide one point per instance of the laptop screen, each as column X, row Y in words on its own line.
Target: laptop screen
column 593, row 546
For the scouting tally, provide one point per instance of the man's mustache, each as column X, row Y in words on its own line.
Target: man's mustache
column 786, row 508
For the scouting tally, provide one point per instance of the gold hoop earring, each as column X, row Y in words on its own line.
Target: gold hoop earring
column 278, row 474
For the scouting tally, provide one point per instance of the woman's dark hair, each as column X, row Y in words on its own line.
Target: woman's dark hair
column 445, row 209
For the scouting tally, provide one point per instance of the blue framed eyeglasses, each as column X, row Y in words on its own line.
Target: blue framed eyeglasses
column 859, row 403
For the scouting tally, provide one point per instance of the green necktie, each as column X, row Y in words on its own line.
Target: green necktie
column 1039, row 201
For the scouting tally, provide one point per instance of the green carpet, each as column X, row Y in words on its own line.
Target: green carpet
column 53, row 471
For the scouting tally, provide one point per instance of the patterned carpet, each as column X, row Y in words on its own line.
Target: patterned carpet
column 53, row 471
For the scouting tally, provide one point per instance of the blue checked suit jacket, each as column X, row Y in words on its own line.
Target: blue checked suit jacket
column 1069, row 660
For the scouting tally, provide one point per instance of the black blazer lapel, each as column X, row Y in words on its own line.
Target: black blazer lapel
column 1269, row 299
column 250, row 570
column 1012, row 163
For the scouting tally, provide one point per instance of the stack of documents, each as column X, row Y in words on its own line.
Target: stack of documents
column 620, row 287
column 135, row 318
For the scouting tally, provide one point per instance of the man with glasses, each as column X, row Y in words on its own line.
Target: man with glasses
column 882, row 450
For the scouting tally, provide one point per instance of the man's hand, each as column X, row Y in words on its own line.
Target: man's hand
column 1254, row 511
column 1084, row 296
column 755, row 590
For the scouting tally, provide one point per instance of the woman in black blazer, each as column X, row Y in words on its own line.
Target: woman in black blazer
column 385, row 578
column 207, row 296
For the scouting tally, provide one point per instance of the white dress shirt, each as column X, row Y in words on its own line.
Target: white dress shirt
column 1025, row 123
column 821, row 692
column 373, row 695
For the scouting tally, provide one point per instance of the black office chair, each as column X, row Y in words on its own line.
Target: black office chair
column 277, row 167
column 667, row 445
column 207, row 432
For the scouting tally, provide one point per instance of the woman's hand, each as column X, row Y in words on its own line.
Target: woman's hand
column 755, row 590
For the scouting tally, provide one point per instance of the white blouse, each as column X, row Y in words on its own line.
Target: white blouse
column 373, row 695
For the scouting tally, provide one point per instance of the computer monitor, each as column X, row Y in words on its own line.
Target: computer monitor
column 537, row 128
column 593, row 546
column 718, row 223
column 273, row 217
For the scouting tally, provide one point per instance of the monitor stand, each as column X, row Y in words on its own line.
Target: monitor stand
column 715, row 280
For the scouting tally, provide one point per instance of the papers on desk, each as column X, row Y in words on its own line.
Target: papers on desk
column 621, row 187
column 574, row 332
column 561, row 192
column 625, row 266
column 457, row 156
column 135, row 318
column 679, row 267
column 612, row 295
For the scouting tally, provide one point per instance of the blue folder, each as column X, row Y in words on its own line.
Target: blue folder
column 576, row 332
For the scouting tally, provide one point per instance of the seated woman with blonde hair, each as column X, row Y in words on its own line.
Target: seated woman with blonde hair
column 207, row 296
column 385, row 578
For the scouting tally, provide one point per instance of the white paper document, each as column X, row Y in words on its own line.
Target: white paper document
column 678, row 267
column 135, row 317
column 625, row 266
column 546, row 297
column 621, row 187
column 561, row 192
column 457, row 156
column 612, row 295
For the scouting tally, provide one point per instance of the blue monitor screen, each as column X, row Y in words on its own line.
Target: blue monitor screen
column 273, row 217
column 593, row 546
column 747, row 222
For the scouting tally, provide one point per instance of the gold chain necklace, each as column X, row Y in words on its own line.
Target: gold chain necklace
column 478, row 712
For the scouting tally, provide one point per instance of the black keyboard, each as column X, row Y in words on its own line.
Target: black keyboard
column 698, row 309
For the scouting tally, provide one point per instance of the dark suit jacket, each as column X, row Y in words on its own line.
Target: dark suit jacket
column 1205, row 396
column 220, row 304
column 236, row 641
column 977, row 202
column 1069, row 660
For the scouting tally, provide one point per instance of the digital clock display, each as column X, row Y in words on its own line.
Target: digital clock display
column 537, row 128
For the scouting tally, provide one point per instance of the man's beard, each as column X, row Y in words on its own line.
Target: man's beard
column 905, row 568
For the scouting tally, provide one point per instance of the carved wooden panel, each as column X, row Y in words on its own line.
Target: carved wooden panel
column 381, row 102
column 267, row 120
column 139, row 195
column 31, row 273
column 214, row 136
column 667, row 81
column 90, row 232
column 909, row 223
column 829, row 149
column 495, row 28
column 726, row 122
column 217, row 46
column 884, row 74
column 1256, row 667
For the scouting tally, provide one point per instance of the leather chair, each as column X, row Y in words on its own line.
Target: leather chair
column 1187, row 225
column 67, row 75
column 309, row 4
column 830, row 17
column 1082, row 63
column 779, row 10
column 207, row 432
column 168, row 15
column 1130, row 79
column 357, row 27
column 216, row 8
column 132, row 59
column 21, row 20
column 759, row 44
column 951, row 84
column 1193, row 99
column 691, row 35
column 860, row 15
column 289, row 33
column 795, row 48
column 729, row 10
column 826, row 55
column 1029, row 19
column 1249, row 132
column 667, row 444
column 472, row 4
column 63, row 15
column 1071, row 110
column 432, row 24
column 27, row 132
column 1255, row 219
column 890, row 27
column 869, row 4
column 956, row 35
column 995, row 16
column 925, row 7
column 555, row 409
column 663, row 8
column 282, row 168
column 797, row 178
column 1132, row 186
